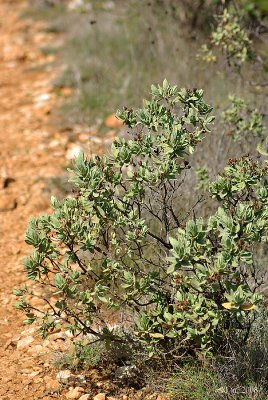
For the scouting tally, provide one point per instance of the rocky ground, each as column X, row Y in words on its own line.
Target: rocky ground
column 33, row 151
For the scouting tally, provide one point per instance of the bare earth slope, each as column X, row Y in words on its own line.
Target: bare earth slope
column 30, row 152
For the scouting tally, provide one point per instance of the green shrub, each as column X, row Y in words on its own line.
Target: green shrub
column 120, row 243
column 242, row 121
column 230, row 37
column 236, row 32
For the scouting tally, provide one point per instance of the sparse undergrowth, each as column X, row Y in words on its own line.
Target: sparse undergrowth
column 240, row 374
column 80, row 356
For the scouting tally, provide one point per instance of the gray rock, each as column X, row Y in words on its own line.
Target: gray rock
column 127, row 372
column 64, row 376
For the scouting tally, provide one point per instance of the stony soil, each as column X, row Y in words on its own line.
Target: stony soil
column 32, row 151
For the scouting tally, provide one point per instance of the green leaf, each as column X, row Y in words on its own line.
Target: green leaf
column 59, row 281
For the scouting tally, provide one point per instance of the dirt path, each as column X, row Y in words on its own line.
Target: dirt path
column 31, row 151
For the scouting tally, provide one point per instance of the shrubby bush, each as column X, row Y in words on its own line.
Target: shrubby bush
column 238, row 32
column 242, row 121
column 120, row 244
column 198, row 14
column 231, row 38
